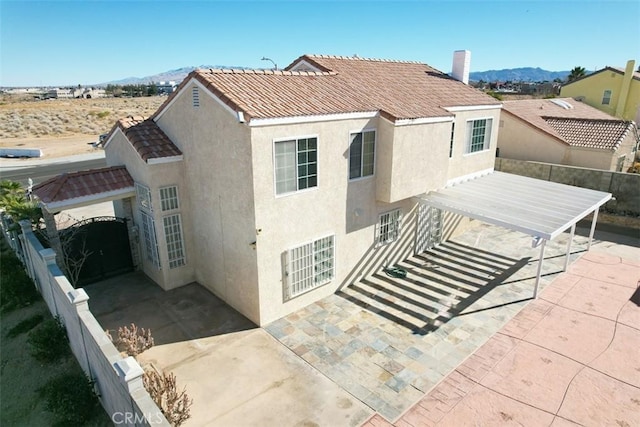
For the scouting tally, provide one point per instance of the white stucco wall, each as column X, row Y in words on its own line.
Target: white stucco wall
column 412, row 160
column 155, row 176
column 462, row 164
column 218, row 186
column 348, row 209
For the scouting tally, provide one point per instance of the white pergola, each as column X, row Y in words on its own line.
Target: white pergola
column 541, row 209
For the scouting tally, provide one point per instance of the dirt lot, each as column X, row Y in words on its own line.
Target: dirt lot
column 63, row 127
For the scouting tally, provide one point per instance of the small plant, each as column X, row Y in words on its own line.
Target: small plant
column 133, row 340
column 174, row 404
column 49, row 341
column 16, row 287
column 71, row 398
column 25, row 326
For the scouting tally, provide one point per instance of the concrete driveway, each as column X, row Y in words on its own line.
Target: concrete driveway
column 236, row 373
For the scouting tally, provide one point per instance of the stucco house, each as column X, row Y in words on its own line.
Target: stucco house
column 270, row 187
column 566, row 132
column 616, row 91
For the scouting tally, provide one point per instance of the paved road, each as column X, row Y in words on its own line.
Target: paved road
column 39, row 170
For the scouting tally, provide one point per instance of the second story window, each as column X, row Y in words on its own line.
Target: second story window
column 296, row 164
column 606, row 97
column 362, row 154
column 143, row 194
column 478, row 135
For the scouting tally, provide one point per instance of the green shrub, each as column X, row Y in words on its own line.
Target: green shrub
column 71, row 399
column 25, row 326
column 16, row 287
column 49, row 341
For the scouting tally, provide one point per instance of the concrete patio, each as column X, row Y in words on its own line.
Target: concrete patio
column 376, row 347
column 568, row 358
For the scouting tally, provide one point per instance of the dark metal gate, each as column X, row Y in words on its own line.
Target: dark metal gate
column 97, row 248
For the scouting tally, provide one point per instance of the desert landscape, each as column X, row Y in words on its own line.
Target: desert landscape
column 64, row 127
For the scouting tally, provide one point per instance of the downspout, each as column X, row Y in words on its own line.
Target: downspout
column 624, row 89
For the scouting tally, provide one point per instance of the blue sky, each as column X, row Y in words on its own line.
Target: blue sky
column 88, row 42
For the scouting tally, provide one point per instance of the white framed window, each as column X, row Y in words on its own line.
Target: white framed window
column 173, row 238
column 143, row 194
column 309, row 266
column 296, row 164
column 169, row 198
column 195, row 96
column 478, row 135
column 453, row 128
column 606, row 97
column 150, row 241
column 362, row 147
column 388, row 229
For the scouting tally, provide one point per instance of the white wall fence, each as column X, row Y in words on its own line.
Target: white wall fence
column 118, row 379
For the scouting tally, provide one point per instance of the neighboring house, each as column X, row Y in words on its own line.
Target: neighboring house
column 273, row 189
column 567, row 132
column 615, row 91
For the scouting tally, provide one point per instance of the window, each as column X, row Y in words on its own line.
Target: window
column 362, row 154
column 296, row 164
column 195, row 97
column 144, row 197
column 478, row 135
column 388, row 227
column 606, row 97
column 169, row 198
column 453, row 128
column 173, row 238
column 309, row 266
column 150, row 242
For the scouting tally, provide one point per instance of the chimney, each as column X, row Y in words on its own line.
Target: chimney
column 461, row 64
column 625, row 89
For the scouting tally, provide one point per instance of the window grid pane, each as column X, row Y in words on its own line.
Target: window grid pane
column 307, row 163
column 173, row 237
column 389, row 227
column 296, row 164
column 479, row 135
column 169, row 198
column 362, row 154
column 309, row 266
column 150, row 242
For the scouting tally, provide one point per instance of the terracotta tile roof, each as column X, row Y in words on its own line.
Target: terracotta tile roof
column 603, row 134
column 399, row 90
column 82, row 184
column 581, row 125
column 147, row 138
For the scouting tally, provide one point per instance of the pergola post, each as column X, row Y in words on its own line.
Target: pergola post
column 566, row 259
column 593, row 227
column 540, row 261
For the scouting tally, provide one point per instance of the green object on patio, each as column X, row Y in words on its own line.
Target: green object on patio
column 395, row 271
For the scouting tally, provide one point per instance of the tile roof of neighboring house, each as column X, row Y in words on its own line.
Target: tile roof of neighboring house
column 335, row 84
column 580, row 126
column 147, row 138
column 82, row 184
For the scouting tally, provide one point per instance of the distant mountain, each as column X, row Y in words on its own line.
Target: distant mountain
column 176, row 75
column 526, row 74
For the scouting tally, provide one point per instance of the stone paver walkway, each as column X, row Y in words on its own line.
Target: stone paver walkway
column 569, row 358
column 388, row 341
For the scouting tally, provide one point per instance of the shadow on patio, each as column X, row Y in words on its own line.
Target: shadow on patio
column 440, row 285
column 182, row 314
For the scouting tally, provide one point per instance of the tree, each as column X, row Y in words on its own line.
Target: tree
column 14, row 201
column 576, row 73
